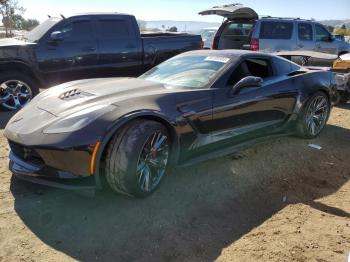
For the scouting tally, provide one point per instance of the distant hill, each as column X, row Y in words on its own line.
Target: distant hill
column 336, row 23
column 195, row 26
column 183, row 26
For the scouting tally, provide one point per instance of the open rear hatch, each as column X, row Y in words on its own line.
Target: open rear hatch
column 236, row 31
column 232, row 12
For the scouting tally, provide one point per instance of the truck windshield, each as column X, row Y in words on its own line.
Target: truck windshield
column 41, row 29
column 192, row 72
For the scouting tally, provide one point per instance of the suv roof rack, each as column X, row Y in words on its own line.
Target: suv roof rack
column 285, row 18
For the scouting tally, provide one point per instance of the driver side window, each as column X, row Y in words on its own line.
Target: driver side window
column 78, row 30
column 322, row 34
column 257, row 67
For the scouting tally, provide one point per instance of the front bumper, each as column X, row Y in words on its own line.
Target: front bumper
column 40, row 174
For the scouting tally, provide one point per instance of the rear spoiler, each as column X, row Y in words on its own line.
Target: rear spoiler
column 306, row 55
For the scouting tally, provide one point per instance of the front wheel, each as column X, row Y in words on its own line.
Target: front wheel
column 16, row 90
column 137, row 158
column 314, row 116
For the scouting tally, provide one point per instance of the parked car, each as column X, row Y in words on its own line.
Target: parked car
column 208, row 35
column 340, row 67
column 340, row 37
column 195, row 106
column 243, row 29
column 82, row 46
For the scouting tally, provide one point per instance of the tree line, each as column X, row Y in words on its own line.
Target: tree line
column 11, row 12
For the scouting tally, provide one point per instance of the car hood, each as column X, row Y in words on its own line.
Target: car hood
column 74, row 96
column 8, row 42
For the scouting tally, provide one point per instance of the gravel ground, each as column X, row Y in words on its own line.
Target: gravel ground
column 278, row 201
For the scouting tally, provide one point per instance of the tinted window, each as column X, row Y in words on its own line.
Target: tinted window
column 305, row 32
column 113, row 29
column 285, row 67
column 276, row 30
column 79, row 30
column 238, row 29
column 321, row 33
column 251, row 67
column 259, row 67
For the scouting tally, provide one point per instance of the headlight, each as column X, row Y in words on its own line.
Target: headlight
column 78, row 120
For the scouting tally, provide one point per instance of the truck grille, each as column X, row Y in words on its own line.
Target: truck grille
column 25, row 153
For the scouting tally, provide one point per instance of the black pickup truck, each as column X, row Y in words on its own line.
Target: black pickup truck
column 82, row 46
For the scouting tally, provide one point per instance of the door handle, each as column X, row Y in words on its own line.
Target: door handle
column 130, row 46
column 300, row 46
column 89, row 49
column 186, row 111
column 318, row 46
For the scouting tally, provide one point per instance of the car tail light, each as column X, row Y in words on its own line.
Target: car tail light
column 201, row 45
column 254, row 45
column 214, row 45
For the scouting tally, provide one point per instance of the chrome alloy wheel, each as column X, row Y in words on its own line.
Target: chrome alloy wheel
column 152, row 162
column 317, row 114
column 14, row 94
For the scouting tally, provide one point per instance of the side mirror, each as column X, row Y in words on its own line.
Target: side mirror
column 249, row 81
column 331, row 38
column 56, row 36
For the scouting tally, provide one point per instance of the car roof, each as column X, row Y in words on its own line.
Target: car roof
column 91, row 14
column 228, row 53
column 271, row 18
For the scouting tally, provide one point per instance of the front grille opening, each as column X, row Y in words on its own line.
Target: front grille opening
column 26, row 153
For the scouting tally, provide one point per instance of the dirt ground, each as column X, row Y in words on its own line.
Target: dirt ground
column 278, row 201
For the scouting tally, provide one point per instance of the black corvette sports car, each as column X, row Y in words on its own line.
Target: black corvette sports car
column 193, row 107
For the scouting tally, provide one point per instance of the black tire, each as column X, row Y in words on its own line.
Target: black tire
column 344, row 96
column 124, row 152
column 19, row 76
column 302, row 124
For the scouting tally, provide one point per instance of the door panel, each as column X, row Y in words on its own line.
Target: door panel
column 73, row 57
column 305, row 36
column 264, row 106
column 254, row 111
column 118, row 44
column 324, row 42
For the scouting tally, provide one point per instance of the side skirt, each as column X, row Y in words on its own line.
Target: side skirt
column 232, row 149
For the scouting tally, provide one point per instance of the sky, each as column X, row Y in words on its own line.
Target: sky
column 187, row 10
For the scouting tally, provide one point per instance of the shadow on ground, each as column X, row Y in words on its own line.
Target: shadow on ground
column 197, row 212
column 5, row 116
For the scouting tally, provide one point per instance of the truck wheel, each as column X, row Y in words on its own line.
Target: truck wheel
column 16, row 90
column 314, row 116
column 137, row 158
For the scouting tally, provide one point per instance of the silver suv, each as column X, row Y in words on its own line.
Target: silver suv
column 243, row 29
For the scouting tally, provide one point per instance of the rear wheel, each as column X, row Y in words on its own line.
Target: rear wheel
column 16, row 90
column 137, row 158
column 314, row 116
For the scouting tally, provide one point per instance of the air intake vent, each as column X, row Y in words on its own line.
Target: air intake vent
column 74, row 94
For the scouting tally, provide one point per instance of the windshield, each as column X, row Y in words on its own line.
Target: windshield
column 41, row 29
column 186, row 71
